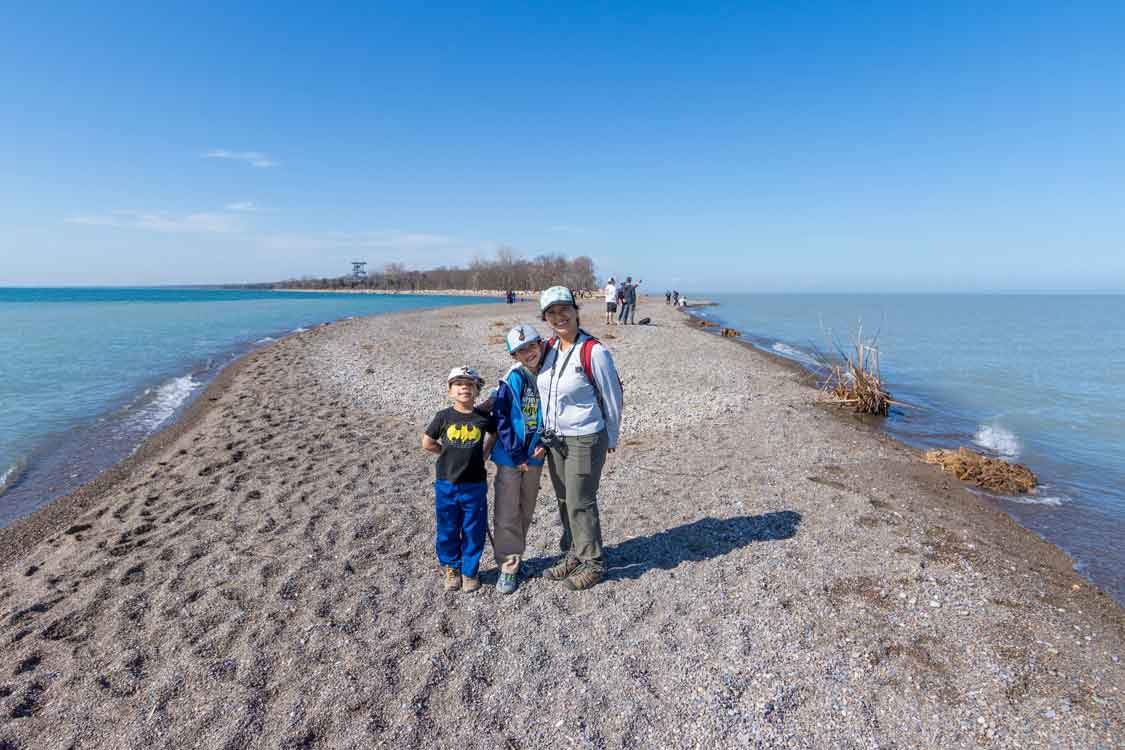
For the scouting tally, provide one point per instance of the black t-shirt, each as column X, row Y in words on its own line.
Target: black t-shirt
column 462, row 444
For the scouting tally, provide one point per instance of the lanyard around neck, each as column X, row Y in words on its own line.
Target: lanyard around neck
column 558, row 371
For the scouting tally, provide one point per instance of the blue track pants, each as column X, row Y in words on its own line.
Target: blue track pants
column 462, row 519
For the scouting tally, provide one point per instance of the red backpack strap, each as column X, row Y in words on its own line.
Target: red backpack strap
column 585, row 356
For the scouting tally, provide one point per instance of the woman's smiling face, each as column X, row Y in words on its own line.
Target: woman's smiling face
column 562, row 318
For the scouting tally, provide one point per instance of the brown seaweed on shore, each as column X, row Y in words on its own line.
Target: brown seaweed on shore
column 993, row 474
column 730, row 333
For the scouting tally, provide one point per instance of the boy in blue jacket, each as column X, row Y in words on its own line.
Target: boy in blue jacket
column 517, row 454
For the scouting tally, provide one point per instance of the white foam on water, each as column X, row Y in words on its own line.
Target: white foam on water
column 8, row 476
column 265, row 340
column 168, row 397
column 1055, row 501
column 299, row 330
column 998, row 439
column 793, row 352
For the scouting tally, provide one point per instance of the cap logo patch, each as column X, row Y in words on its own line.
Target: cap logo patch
column 521, row 334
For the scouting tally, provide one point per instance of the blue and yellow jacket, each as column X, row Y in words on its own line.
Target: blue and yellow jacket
column 518, row 416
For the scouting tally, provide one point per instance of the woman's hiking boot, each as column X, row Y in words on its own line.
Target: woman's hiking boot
column 562, row 569
column 470, row 585
column 584, row 577
column 452, row 578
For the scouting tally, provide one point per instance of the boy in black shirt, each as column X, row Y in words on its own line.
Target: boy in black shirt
column 462, row 437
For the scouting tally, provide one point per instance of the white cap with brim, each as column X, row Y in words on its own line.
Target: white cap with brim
column 465, row 373
column 521, row 336
column 556, row 295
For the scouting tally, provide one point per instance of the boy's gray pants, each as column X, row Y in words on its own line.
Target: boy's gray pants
column 575, row 478
column 512, row 511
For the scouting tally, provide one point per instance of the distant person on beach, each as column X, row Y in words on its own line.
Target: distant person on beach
column 675, row 298
column 461, row 435
column 511, row 297
column 667, row 297
column 581, row 399
column 631, row 300
column 623, row 299
column 517, row 454
column 610, row 300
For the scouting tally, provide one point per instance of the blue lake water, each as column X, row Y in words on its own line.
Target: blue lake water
column 88, row 374
column 1033, row 378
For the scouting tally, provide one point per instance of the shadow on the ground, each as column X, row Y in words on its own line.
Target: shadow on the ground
column 699, row 540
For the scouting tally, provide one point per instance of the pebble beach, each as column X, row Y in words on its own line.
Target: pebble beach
column 262, row 574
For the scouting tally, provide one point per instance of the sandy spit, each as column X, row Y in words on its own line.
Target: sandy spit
column 262, row 576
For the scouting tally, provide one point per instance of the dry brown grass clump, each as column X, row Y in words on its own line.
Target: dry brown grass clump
column 992, row 474
column 854, row 381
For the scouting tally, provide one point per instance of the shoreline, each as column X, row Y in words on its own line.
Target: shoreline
column 1013, row 506
column 261, row 572
column 399, row 292
column 37, row 459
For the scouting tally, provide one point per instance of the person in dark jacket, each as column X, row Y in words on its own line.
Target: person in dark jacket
column 631, row 299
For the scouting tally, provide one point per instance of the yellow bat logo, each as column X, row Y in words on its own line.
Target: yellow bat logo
column 462, row 433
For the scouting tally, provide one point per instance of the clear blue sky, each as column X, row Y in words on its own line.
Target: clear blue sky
column 721, row 147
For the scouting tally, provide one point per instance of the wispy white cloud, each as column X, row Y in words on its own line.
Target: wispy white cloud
column 246, row 207
column 253, row 158
column 203, row 221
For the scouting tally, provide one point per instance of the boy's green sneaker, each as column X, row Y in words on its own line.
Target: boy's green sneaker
column 452, row 578
column 506, row 583
column 561, row 570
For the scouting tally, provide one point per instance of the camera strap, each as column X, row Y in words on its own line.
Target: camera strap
column 558, row 371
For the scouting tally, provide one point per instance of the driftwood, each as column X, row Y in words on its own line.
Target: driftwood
column 730, row 333
column 992, row 474
column 853, row 380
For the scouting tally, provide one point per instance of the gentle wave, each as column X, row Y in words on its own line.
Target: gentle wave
column 9, row 477
column 998, row 439
column 794, row 353
column 265, row 340
column 1055, row 501
column 299, row 330
column 168, row 397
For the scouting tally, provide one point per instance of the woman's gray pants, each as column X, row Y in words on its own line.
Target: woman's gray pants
column 575, row 477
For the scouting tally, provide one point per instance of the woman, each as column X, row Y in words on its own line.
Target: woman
column 580, row 398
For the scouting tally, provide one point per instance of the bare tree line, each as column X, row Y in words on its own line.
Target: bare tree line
column 506, row 271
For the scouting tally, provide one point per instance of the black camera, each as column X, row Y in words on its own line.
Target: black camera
column 552, row 441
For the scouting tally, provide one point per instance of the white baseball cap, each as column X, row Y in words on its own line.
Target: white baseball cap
column 521, row 336
column 465, row 373
column 556, row 295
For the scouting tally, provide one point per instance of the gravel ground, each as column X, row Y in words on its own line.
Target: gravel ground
column 263, row 576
